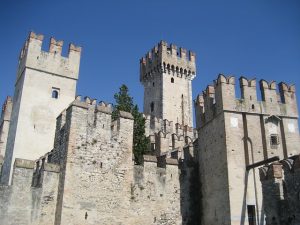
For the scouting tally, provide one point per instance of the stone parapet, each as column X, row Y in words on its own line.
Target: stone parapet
column 32, row 56
column 220, row 96
column 24, row 163
column 167, row 59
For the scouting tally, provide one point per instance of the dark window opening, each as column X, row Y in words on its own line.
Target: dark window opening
column 153, row 84
column 49, row 158
column 251, row 214
column 250, row 97
column 253, row 106
column 152, row 146
column 172, row 80
column 274, row 141
column 152, row 106
column 55, row 94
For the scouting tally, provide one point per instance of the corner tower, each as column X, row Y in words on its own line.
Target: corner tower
column 45, row 85
column 166, row 74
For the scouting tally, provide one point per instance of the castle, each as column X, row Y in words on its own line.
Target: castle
column 64, row 160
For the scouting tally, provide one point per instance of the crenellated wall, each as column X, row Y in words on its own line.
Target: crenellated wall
column 281, row 186
column 234, row 133
column 167, row 75
column 95, row 154
column 45, row 85
column 32, row 56
column 168, row 59
column 4, row 123
column 277, row 114
column 23, row 203
column 167, row 138
column 221, row 96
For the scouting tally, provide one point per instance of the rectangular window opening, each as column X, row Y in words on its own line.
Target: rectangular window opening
column 274, row 141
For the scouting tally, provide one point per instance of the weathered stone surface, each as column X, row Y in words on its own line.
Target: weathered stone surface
column 188, row 176
column 35, row 105
column 281, row 187
column 234, row 133
column 167, row 75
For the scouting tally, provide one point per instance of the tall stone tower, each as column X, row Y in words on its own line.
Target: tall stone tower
column 4, row 124
column 166, row 74
column 236, row 135
column 45, row 85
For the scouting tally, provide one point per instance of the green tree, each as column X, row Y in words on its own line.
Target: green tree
column 125, row 103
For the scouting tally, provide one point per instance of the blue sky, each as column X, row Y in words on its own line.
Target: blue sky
column 257, row 38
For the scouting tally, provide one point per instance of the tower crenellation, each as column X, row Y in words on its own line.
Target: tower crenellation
column 34, row 57
column 221, row 96
column 168, row 58
column 162, row 70
column 45, row 85
column 248, row 88
column 185, row 176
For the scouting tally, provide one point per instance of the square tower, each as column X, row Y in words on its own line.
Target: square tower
column 45, row 85
column 236, row 135
column 167, row 75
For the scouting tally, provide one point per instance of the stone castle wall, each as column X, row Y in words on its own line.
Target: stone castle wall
column 281, row 186
column 90, row 176
column 23, row 204
column 35, row 108
column 234, row 133
column 167, row 75
column 4, row 124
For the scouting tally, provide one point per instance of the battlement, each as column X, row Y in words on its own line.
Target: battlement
column 155, row 124
column 159, row 161
column 6, row 109
column 221, row 96
column 167, row 138
column 24, row 163
column 101, row 107
column 170, row 145
column 32, row 56
column 42, row 165
column 169, row 59
column 92, row 125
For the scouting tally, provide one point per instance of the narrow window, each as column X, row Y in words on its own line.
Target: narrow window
column 250, row 97
column 49, row 158
column 253, row 106
column 251, row 214
column 172, row 80
column 274, row 141
column 152, row 106
column 153, row 84
column 55, row 93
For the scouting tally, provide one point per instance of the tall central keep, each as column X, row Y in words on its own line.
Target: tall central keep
column 166, row 73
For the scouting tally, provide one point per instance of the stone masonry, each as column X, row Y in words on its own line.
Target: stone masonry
column 234, row 133
column 81, row 168
column 281, row 188
column 45, row 85
column 4, row 124
column 166, row 74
